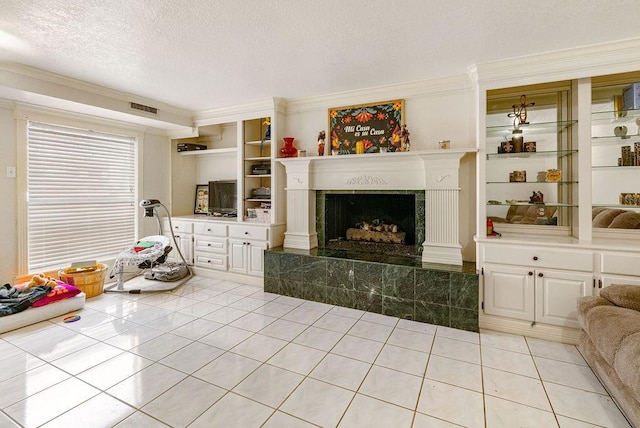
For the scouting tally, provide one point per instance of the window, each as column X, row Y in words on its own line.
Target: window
column 81, row 195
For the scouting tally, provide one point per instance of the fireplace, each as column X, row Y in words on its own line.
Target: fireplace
column 389, row 222
column 434, row 173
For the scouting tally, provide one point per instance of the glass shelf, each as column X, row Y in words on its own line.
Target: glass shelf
column 531, row 182
column 522, row 204
column 614, row 167
column 611, row 140
column 530, row 129
column 526, row 155
column 614, row 116
column 259, row 158
column 615, row 206
column 257, row 175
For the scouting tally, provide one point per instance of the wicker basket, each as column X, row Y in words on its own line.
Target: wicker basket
column 91, row 282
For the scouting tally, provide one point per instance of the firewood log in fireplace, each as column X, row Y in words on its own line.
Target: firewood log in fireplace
column 376, row 231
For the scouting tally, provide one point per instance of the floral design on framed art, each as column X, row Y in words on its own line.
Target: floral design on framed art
column 366, row 128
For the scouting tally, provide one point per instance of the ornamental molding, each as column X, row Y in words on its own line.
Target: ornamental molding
column 365, row 180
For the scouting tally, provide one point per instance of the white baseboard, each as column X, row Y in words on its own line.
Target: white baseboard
column 525, row 328
column 256, row 281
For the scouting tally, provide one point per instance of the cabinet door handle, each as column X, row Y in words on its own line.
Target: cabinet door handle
column 540, row 275
column 600, row 283
column 535, row 258
column 208, row 230
column 208, row 245
column 530, row 273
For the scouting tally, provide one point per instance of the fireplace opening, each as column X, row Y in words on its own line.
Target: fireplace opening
column 372, row 222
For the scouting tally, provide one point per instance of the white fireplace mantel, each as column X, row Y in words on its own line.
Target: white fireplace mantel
column 434, row 171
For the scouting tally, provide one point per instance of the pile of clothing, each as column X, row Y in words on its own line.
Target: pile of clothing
column 17, row 299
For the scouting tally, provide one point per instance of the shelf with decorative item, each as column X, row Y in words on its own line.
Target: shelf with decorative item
column 532, row 182
column 526, row 155
column 523, row 204
column 531, row 128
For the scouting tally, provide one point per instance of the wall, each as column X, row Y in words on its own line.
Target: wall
column 156, row 177
column 8, row 195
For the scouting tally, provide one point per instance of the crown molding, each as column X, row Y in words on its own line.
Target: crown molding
column 32, row 80
column 264, row 107
column 407, row 90
column 574, row 63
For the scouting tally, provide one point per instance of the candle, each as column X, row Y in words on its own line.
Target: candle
column 359, row 147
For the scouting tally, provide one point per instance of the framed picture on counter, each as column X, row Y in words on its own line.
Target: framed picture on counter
column 202, row 199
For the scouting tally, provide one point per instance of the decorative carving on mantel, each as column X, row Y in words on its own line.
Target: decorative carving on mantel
column 365, row 179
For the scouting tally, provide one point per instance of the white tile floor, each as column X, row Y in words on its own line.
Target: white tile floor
column 223, row 354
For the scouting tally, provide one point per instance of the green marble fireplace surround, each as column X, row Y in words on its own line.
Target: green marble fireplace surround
column 399, row 286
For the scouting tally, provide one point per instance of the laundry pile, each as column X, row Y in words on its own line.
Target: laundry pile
column 39, row 291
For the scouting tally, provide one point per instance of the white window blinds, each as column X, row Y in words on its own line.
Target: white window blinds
column 81, row 195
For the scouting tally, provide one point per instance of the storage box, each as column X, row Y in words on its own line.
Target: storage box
column 88, row 279
column 263, row 215
column 631, row 97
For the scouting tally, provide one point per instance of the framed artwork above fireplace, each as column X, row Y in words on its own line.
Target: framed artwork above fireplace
column 366, row 128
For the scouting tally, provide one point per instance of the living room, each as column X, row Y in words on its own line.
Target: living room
column 449, row 103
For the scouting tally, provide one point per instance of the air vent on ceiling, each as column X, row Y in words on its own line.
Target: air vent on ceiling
column 142, row 107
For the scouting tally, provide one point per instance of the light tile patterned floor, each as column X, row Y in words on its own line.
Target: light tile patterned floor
column 223, row 354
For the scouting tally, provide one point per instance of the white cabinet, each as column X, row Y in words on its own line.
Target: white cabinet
column 618, row 268
column 509, row 291
column 182, row 230
column 557, row 293
column 247, row 257
column 210, row 245
column 538, row 295
column 533, row 283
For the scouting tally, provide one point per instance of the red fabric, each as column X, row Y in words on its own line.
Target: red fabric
column 59, row 292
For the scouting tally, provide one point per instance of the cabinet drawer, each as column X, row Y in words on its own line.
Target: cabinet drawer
column 247, row 232
column 539, row 257
column 214, row 229
column 214, row 245
column 211, row 261
column 183, row 226
column 620, row 263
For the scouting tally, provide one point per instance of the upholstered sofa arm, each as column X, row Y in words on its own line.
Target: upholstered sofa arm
column 623, row 295
column 586, row 303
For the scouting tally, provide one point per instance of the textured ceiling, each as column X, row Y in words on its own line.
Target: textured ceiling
column 200, row 54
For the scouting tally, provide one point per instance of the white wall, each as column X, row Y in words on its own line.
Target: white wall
column 8, row 195
column 156, row 178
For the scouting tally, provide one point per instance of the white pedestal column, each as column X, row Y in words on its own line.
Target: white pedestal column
column 441, row 216
column 301, row 207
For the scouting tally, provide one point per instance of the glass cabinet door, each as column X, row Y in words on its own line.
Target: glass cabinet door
column 615, row 152
column 531, row 165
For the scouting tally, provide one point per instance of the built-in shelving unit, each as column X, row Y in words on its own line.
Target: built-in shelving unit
column 615, row 148
column 519, row 156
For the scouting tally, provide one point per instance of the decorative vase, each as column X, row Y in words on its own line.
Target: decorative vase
column 289, row 150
